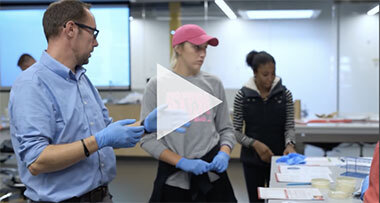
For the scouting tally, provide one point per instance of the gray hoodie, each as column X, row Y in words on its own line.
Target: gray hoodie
column 211, row 128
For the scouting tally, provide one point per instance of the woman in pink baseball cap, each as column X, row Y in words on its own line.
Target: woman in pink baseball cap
column 191, row 40
column 192, row 166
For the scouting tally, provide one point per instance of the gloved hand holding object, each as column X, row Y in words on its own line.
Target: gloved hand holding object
column 150, row 122
column 220, row 162
column 196, row 166
column 118, row 135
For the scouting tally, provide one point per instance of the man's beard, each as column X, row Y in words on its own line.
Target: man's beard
column 84, row 61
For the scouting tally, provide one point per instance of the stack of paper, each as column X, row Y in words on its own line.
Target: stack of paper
column 324, row 161
column 290, row 193
column 302, row 174
column 303, row 169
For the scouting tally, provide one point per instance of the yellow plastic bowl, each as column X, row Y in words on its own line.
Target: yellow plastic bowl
column 321, row 183
column 345, row 180
column 338, row 194
column 345, row 184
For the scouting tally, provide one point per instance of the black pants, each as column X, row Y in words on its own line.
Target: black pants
column 201, row 188
column 218, row 193
column 255, row 176
column 99, row 194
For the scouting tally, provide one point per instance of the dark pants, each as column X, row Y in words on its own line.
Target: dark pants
column 201, row 188
column 255, row 176
column 99, row 194
column 219, row 193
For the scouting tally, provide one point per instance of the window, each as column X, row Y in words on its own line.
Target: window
column 109, row 65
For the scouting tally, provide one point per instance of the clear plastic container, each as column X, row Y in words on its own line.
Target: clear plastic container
column 345, row 184
column 335, row 194
column 321, row 183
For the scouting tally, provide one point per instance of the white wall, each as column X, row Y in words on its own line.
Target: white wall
column 303, row 50
column 149, row 46
column 359, row 61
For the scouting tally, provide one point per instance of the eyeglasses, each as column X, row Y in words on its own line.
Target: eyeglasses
column 95, row 31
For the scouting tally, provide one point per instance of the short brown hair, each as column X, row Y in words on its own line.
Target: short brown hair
column 58, row 13
column 23, row 58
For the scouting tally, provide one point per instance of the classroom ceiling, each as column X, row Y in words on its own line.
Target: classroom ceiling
column 195, row 10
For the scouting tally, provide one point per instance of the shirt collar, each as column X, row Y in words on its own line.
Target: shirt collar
column 79, row 72
column 59, row 68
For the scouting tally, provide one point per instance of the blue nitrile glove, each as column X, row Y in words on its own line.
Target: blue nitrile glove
column 292, row 159
column 196, row 166
column 183, row 128
column 150, row 122
column 118, row 135
column 365, row 185
column 220, row 162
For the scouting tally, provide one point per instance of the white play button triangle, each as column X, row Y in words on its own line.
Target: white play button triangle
column 179, row 101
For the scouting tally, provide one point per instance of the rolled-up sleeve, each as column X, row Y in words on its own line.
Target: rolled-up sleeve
column 32, row 115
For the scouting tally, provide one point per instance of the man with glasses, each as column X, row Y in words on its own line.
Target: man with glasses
column 61, row 133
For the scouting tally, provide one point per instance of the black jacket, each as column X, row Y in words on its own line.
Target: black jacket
column 264, row 121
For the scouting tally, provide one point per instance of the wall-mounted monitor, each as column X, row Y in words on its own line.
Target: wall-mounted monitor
column 109, row 65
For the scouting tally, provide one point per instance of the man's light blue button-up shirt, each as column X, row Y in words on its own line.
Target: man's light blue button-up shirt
column 49, row 105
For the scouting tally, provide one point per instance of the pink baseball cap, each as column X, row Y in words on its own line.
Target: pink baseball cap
column 193, row 34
